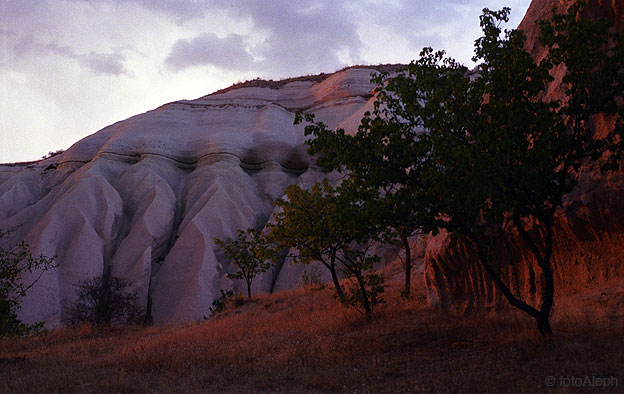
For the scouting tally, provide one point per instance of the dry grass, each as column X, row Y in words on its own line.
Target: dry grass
column 304, row 341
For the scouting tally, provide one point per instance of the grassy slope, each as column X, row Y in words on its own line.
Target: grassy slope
column 304, row 341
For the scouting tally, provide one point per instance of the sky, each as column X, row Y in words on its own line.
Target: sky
column 68, row 68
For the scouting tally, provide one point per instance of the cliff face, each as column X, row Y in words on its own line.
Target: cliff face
column 612, row 10
column 589, row 233
column 145, row 197
column 587, row 260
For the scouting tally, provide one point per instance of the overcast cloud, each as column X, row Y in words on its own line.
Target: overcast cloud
column 71, row 67
column 208, row 49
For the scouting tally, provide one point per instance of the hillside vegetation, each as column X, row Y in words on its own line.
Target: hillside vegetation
column 304, row 341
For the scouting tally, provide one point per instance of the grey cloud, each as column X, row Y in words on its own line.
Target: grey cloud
column 60, row 50
column 208, row 49
column 179, row 10
column 31, row 29
column 302, row 35
column 6, row 33
column 104, row 63
column 98, row 63
column 16, row 9
column 308, row 34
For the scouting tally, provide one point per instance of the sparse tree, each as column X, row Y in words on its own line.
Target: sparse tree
column 249, row 252
column 333, row 227
column 105, row 301
column 378, row 161
column 14, row 264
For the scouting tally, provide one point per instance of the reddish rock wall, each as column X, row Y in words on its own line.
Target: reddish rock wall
column 589, row 251
column 612, row 10
column 588, row 260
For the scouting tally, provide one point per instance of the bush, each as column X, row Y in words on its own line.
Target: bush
column 312, row 278
column 14, row 263
column 249, row 252
column 53, row 153
column 105, row 301
column 369, row 290
column 219, row 304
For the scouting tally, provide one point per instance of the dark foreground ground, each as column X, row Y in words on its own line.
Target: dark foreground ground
column 304, row 341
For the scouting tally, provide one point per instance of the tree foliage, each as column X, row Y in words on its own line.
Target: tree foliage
column 15, row 263
column 250, row 253
column 477, row 153
column 334, row 227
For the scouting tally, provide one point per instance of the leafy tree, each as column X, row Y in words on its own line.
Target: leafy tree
column 302, row 224
column 379, row 161
column 105, row 301
column 14, row 263
column 333, row 227
column 498, row 152
column 249, row 252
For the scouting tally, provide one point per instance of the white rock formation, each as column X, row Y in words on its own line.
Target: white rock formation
column 145, row 197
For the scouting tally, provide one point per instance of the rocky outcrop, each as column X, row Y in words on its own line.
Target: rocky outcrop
column 589, row 232
column 612, row 10
column 588, row 255
column 144, row 198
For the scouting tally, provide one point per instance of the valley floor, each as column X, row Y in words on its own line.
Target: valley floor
column 305, row 341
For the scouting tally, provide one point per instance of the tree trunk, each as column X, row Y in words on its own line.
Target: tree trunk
column 249, row 290
column 334, row 276
column 543, row 324
column 548, row 293
column 408, row 267
column 543, row 261
column 541, row 316
column 367, row 307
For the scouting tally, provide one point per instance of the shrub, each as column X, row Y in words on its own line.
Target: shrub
column 369, row 291
column 249, row 252
column 219, row 304
column 14, row 263
column 312, row 277
column 105, row 301
column 53, row 153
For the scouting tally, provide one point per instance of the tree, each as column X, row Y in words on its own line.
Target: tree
column 249, row 253
column 103, row 301
column 379, row 162
column 333, row 227
column 498, row 152
column 14, row 264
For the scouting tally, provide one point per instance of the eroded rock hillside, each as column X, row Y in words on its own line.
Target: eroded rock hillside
column 145, row 197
